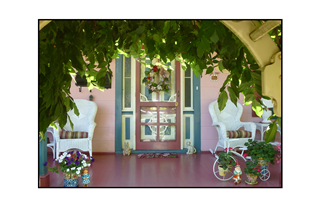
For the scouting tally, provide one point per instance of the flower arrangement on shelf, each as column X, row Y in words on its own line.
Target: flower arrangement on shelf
column 252, row 168
column 157, row 73
column 71, row 162
column 262, row 150
column 225, row 159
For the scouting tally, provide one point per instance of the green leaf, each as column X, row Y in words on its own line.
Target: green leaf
column 166, row 27
column 209, row 70
column 232, row 95
column 214, row 38
column 222, row 100
column 220, row 65
column 156, row 38
column 249, row 98
column 140, row 30
column 271, row 132
column 256, row 106
column 102, row 64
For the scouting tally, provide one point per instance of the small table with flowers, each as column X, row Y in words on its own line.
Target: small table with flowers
column 263, row 126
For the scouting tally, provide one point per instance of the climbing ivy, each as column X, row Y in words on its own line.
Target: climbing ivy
column 88, row 47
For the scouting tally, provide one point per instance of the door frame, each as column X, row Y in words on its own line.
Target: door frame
column 118, row 112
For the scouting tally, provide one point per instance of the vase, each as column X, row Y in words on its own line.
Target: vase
column 251, row 179
column 222, row 172
column 70, row 180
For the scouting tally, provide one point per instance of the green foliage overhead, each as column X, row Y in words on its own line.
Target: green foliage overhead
column 88, row 47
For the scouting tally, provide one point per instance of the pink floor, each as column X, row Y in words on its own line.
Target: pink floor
column 116, row 170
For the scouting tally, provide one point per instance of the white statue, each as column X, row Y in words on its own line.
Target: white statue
column 191, row 149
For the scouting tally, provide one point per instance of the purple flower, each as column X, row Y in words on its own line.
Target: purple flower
column 76, row 162
column 45, row 164
column 92, row 159
column 68, row 163
column 71, row 159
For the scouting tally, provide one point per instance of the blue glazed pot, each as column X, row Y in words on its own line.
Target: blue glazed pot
column 70, row 180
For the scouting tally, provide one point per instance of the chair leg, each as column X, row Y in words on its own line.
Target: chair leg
column 53, row 152
column 216, row 148
column 90, row 152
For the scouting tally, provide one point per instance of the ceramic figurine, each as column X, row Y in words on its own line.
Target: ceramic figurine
column 126, row 150
column 85, row 177
column 191, row 149
column 237, row 174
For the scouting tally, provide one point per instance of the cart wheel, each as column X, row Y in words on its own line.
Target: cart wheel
column 228, row 174
column 265, row 174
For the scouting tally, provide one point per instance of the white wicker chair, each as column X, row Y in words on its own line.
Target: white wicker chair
column 84, row 123
column 52, row 142
column 229, row 120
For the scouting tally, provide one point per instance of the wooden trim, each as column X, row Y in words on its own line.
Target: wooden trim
column 118, row 104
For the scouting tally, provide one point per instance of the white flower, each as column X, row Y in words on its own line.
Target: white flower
column 78, row 172
column 159, row 87
column 79, row 168
column 73, row 168
column 89, row 165
column 68, row 155
column 60, row 160
column 85, row 164
column 68, row 170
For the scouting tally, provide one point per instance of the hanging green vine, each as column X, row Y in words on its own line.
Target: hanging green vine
column 67, row 47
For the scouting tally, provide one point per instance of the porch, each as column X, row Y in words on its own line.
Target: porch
column 195, row 170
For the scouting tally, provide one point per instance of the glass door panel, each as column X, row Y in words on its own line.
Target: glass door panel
column 168, row 114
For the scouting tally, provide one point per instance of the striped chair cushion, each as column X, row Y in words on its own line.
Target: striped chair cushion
column 239, row 134
column 244, row 134
column 232, row 134
column 73, row 135
column 77, row 135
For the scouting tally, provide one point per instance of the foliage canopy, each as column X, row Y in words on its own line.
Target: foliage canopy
column 88, row 47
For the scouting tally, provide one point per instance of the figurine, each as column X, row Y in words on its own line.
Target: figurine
column 126, row 150
column 237, row 174
column 191, row 149
column 85, row 177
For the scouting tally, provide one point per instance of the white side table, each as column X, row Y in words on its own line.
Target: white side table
column 262, row 127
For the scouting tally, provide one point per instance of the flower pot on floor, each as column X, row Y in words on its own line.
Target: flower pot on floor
column 70, row 180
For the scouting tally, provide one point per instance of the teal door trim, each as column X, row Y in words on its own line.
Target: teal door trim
column 118, row 105
column 197, row 112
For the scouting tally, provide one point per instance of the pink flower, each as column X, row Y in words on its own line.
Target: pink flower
column 245, row 155
column 258, row 170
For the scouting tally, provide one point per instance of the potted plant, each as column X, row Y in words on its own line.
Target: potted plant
column 226, row 161
column 261, row 151
column 252, row 171
column 71, row 164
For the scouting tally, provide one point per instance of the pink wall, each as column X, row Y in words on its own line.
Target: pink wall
column 209, row 93
column 103, row 137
